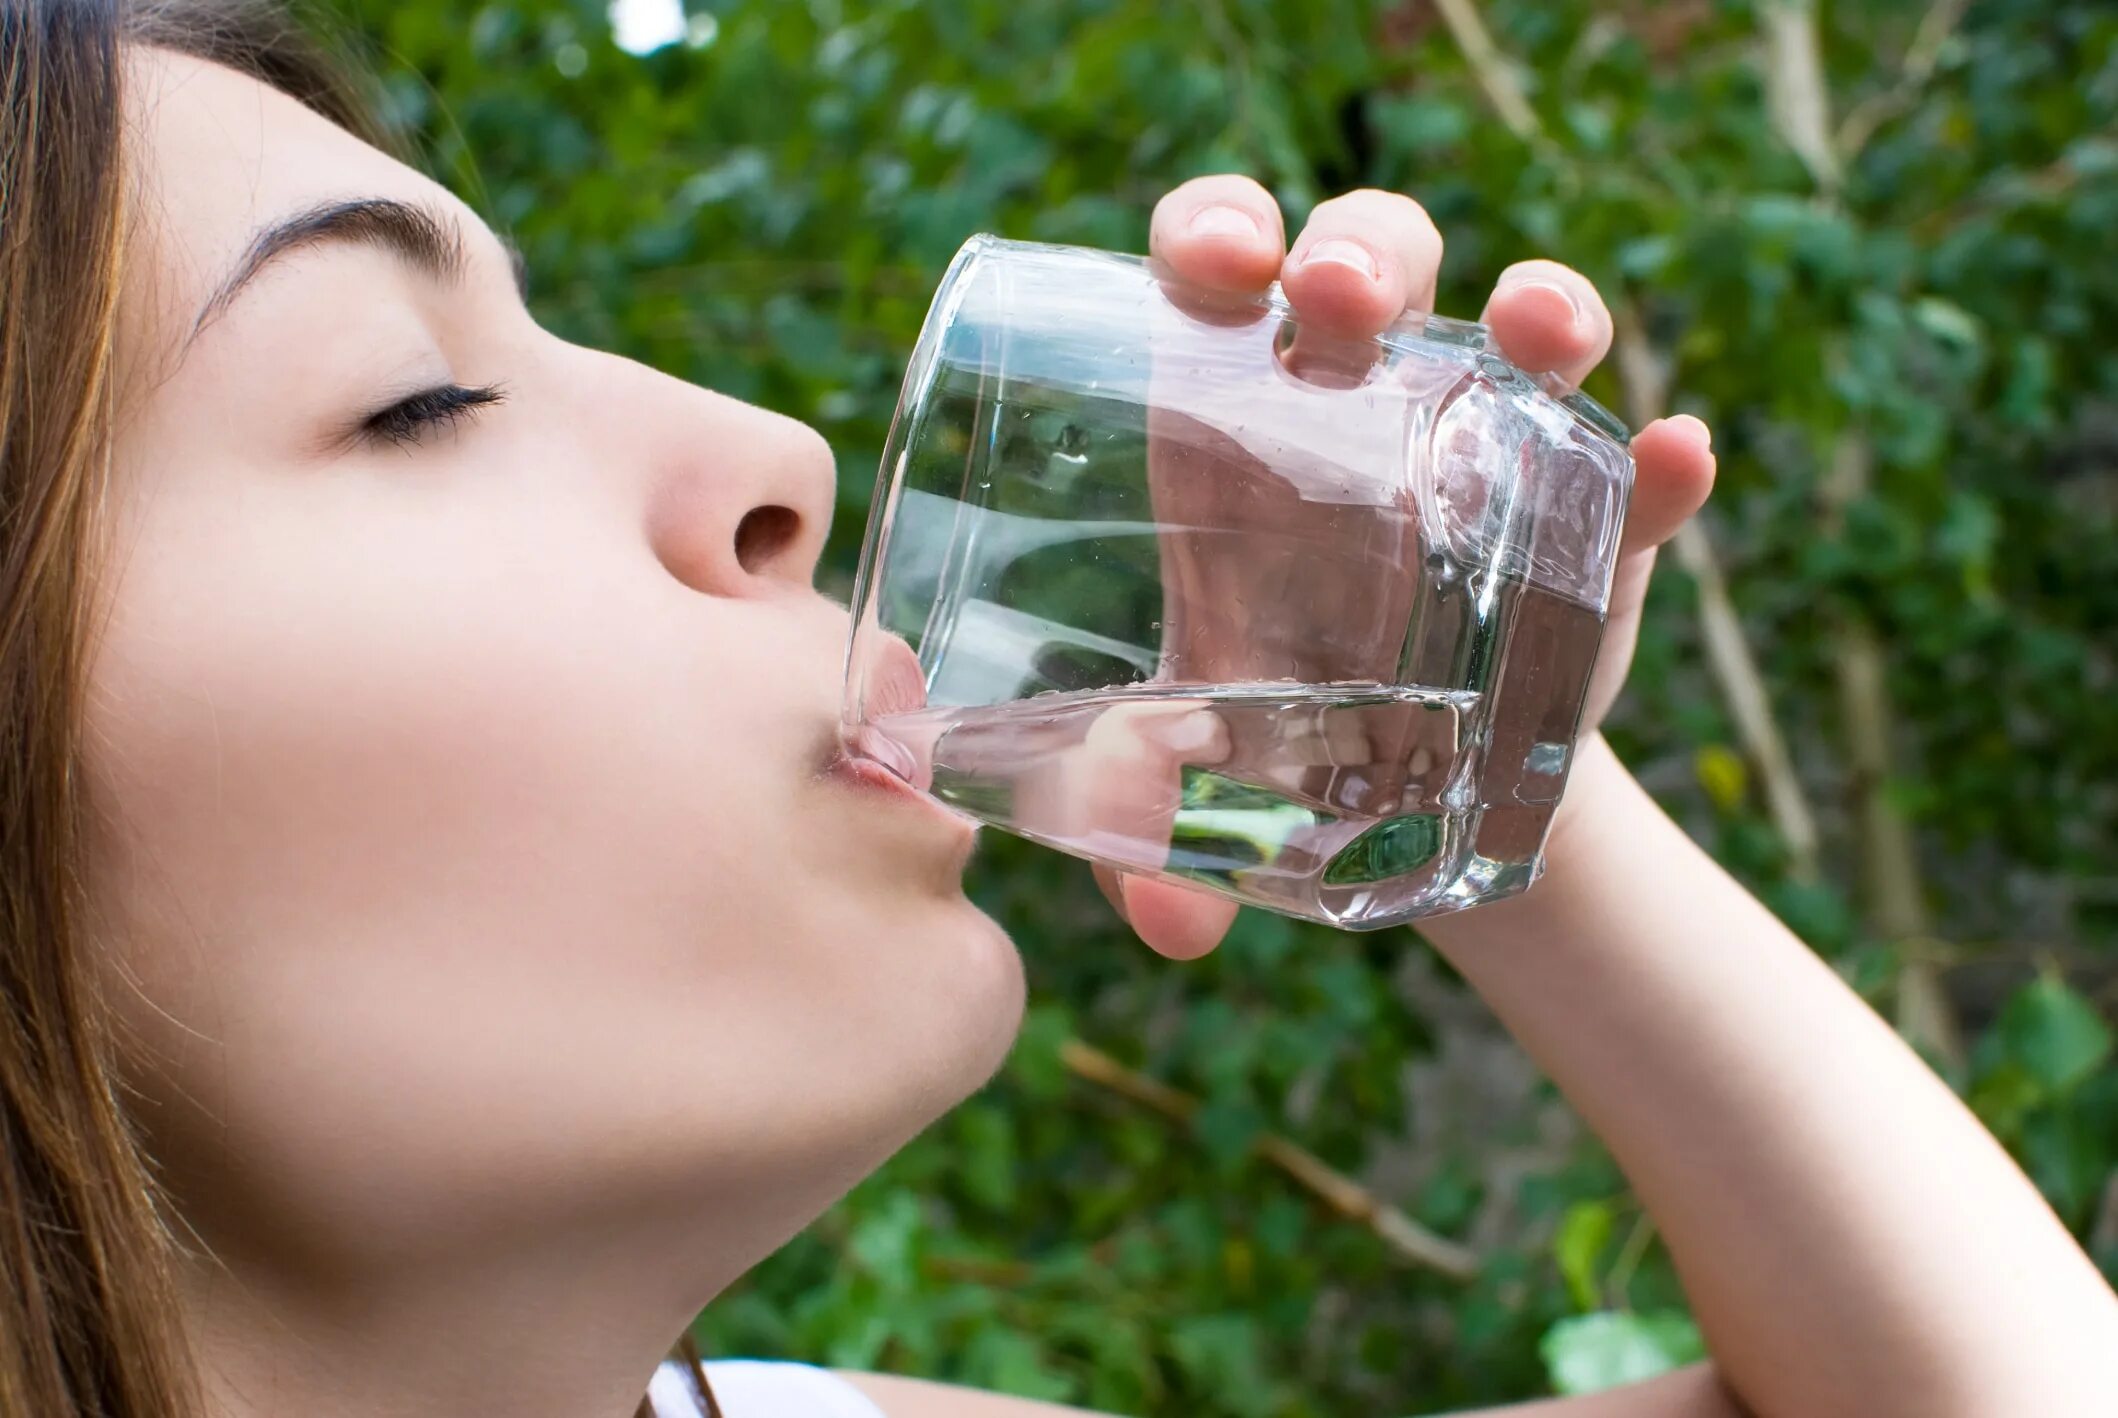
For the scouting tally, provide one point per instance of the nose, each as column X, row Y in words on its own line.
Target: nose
column 741, row 497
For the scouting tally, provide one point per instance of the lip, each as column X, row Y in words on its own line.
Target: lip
column 889, row 682
column 868, row 777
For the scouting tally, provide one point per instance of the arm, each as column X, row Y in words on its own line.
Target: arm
column 1852, row 1240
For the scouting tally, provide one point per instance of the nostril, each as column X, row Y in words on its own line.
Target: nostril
column 763, row 534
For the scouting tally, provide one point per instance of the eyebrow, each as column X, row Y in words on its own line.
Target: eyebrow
column 429, row 241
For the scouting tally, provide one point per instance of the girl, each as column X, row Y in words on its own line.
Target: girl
column 420, row 766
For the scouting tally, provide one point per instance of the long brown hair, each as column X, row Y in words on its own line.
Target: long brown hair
column 88, row 1317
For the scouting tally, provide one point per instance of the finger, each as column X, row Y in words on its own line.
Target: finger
column 1180, row 922
column 1548, row 318
column 1673, row 471
column 1222, row 232
column 1173, row 922
column 1363, row 259
column 1112, row 884
column 1126, row 780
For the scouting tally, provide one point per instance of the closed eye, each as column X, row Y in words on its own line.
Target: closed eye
column 411, row 419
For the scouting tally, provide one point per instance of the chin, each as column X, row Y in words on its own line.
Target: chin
column 993, row 997
column 1010, row 993
column 982, row 1007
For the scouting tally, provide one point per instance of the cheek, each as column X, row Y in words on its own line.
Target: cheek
column 450, row 840
column 380, row 780
column 389, row 704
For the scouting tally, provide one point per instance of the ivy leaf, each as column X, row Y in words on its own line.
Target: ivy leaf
column 885, row 1243
column 1013, row 1363
column 986, row 1138
column 2055, row 1034
column 1590, row 1353
column 1723, row 774
column 1035, row 1062
column 1584, row 1230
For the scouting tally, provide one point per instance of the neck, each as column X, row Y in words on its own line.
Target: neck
column 535, row 1340
column 562, row 1326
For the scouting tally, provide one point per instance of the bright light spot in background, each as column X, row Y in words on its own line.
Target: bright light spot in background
column 642, row 26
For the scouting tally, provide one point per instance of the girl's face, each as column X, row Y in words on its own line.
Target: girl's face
column 464, row 824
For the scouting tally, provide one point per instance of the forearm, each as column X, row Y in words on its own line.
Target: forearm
column 1852, row 1240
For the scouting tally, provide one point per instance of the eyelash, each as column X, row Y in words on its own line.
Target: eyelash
column 410, row 420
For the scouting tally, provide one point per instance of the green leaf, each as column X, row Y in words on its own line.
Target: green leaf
column 1590, row 1353
column 986, row 1135
column 1948, row 321
column 1584, row 1230
column 1228, row 1128
column 1035, row 1062
column 2055, row 1034
column 1723, row 773
column 885, row 1242
column 1013, row 1363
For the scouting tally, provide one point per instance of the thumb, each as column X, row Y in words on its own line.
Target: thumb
column 1181, row 922
column 1673, row 471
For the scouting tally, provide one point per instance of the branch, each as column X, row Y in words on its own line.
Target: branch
column 1892, row 891
column 1728, row 652
column 1795, row 90
column 1645, row 375
column 2103, row 1231
column 1495, row 74
column 1335, row 1189
column 1935, row 29
column 2012, row 189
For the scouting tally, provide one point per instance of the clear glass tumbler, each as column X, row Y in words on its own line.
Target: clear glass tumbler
column 1158, row 578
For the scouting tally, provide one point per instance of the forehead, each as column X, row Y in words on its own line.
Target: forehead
column 215, row 155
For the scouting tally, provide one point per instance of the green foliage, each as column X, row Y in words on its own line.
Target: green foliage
column 1584, row 1231
column 2043, row 1083
column 1590, row 1353
column 766, row 212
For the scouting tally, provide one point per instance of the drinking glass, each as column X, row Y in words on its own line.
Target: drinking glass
column 1157, row 577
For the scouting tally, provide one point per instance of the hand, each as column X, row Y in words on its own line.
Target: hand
column 1362, row 261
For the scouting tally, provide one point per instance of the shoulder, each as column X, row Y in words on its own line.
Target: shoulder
column 917, row 1398
column 761, row 1388
column 766, row 1388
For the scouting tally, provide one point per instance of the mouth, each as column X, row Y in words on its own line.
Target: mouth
column 865, row 757
column 879, row 779
column 866, row 745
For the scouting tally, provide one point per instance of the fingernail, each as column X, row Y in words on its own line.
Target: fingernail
column 1221, row 220
column 1339, row 251
column 1197, row 734
column 1701, row 434
column 1573, row 307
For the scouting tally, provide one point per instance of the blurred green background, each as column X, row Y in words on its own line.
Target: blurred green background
column 1871, row 244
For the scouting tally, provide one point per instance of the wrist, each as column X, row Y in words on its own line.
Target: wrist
column 1596, row 780
column 1597, row 786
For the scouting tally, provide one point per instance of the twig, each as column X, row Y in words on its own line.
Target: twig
column 2103, row 1231
column 1921, row 56
column 1335, row 1189
column 1617, row 1281
column 1000, row 1274
column 2048, row 183
column 1646, row 379
column 1795, row 91
column 1495, row 74
column 1890, row 877
column 1735, row 667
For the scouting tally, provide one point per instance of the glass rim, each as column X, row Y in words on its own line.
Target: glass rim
column 1409, row 331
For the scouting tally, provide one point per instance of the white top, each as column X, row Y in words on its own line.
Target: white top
column 761, row 1388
